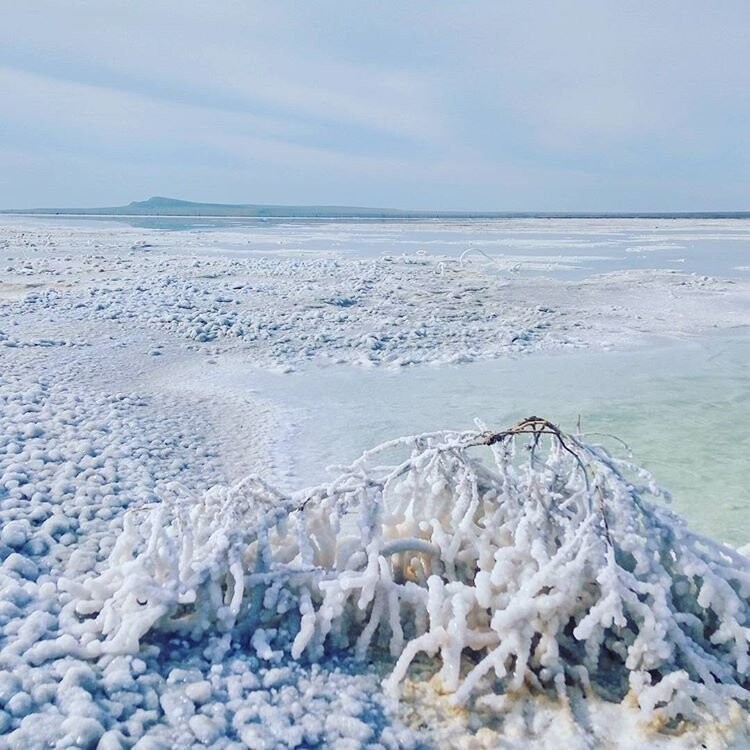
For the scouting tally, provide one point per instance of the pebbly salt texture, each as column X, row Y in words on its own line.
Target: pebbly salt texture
column 70, row 464
column 290, row 311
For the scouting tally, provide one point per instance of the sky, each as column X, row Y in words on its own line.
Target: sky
column 607, row 105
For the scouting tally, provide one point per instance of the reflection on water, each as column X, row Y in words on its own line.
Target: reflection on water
column 683, row 408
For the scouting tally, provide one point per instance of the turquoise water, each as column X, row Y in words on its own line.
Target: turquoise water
column 683, row 408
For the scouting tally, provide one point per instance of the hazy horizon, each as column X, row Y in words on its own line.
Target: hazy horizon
column 170, row 206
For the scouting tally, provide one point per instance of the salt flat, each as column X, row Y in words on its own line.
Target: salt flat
column 133, row 357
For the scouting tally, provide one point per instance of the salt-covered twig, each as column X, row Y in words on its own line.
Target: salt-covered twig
column 520, row 559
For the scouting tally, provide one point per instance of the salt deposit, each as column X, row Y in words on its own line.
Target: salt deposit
column 98, row 325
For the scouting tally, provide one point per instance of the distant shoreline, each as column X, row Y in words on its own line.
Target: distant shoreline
column 87, row 213
column 159, row 207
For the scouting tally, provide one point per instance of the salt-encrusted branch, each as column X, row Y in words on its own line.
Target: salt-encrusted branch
column 521, row 569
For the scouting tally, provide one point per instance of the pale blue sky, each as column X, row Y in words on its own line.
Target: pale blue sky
column 578, row 105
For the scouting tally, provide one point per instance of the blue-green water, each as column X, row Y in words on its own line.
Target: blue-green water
column 683, row 408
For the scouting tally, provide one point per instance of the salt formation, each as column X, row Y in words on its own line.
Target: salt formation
column 519, row 560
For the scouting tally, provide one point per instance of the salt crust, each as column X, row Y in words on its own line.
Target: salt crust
column 79, row 319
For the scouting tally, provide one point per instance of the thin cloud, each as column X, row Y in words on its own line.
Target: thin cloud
column 538, row 105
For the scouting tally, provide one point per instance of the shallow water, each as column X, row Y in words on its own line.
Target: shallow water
column 683, row 408
column 562, row 248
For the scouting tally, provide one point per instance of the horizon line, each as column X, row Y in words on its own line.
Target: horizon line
column 159, row 206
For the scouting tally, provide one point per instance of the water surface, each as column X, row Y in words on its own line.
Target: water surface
column 683, row 408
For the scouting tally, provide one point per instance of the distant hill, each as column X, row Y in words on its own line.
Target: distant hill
column 160, row 206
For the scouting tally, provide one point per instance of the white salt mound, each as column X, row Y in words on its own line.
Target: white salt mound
column 519, row 562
